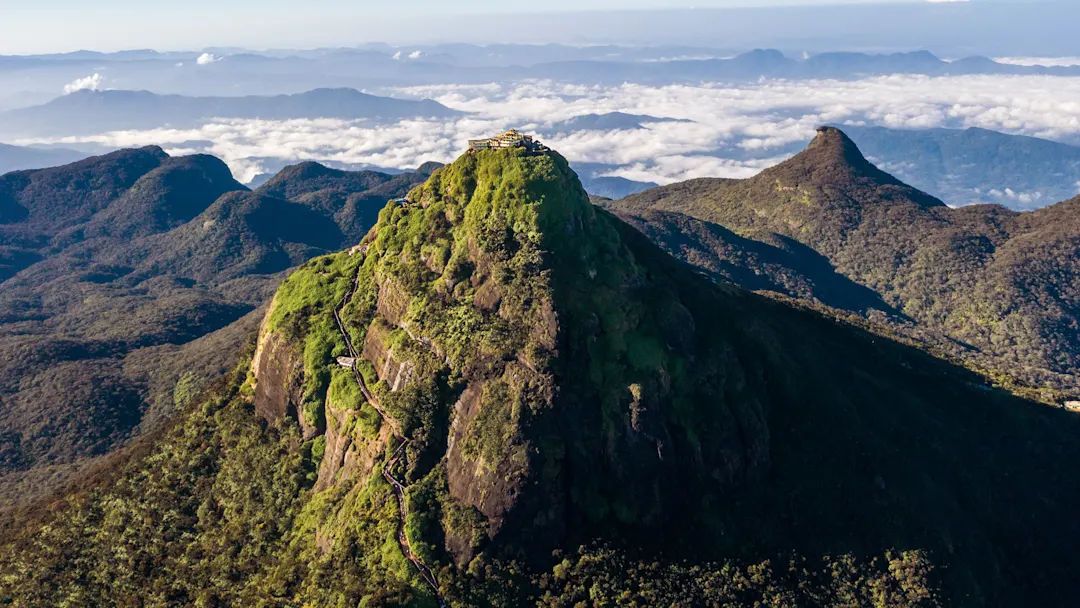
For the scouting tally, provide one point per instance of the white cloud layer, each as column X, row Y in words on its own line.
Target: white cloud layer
column 92, row 83
column 1043, row 61
column 736, row 132
column 207, row 59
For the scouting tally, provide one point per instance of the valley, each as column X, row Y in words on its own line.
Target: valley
column 119, row 312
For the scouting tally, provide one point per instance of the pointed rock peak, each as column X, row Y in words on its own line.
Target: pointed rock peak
column 833, row 146
column 305, row 170
column 553, row 319
column 429, row 167
column 833, row 161
column 830, row 158
column 833, row 154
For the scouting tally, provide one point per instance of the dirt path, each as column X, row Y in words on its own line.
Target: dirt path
column 399, row 487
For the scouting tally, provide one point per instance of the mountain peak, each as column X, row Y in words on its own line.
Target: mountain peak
column 832, row 146
column 830, row 158
column 563, row 351
column 306, row 170
column 833, row 162
column 429, row 167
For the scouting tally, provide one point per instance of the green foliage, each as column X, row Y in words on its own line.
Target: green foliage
column 988, row 286
column 311, row 455
column 369, row 421
column 303, row 310
column 708, row 446
column 141, row 278
column 186, row 388
column 464, row 522
column 344, row 392
column 216, row 482
column 605, row 577
column 216, row 512
column 491, row 432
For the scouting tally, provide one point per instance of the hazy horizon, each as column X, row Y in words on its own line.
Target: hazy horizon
column 948, row 27
column 735, row 117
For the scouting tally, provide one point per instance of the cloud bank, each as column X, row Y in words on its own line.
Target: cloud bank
column 736, row 131
column 1043, row 61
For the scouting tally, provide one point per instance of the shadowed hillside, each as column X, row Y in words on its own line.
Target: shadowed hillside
column 506, row 396
column 991, row 286
column 129, row 281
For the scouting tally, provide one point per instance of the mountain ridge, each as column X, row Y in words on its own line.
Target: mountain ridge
column 89, row 112
column 969, row 166
column 129, row 281
column 958, row 275
column 586, row 418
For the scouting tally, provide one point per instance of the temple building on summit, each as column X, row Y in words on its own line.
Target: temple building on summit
column 511, row 139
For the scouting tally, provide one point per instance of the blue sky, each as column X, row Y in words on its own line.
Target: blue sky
column 64, row 25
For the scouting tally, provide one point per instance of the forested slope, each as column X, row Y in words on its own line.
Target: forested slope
column 587, row 422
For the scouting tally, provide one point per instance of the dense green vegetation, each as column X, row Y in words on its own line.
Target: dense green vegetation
column 214, row 511
column 129, row 281
column 991, row 287
column 589, row 423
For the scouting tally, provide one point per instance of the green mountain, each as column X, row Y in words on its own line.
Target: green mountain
column 130, row 280
column 987, row 285
column 505, row 396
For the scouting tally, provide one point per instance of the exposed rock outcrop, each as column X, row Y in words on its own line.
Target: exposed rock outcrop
column 547, row 369
column 277, row 368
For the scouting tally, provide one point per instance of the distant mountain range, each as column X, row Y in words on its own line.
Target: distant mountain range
column 597, row 181
column 87, row 112
column 129, row 281
column 964, row 167
column 611, row 121
column 959, row 166
column 762, row 63
column 243, row 72
column 17, row 158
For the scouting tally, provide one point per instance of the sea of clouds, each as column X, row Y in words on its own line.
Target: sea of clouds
column 736, row 130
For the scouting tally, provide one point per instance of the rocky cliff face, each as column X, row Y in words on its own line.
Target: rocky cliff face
column 533, row 361
column 277, row 368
